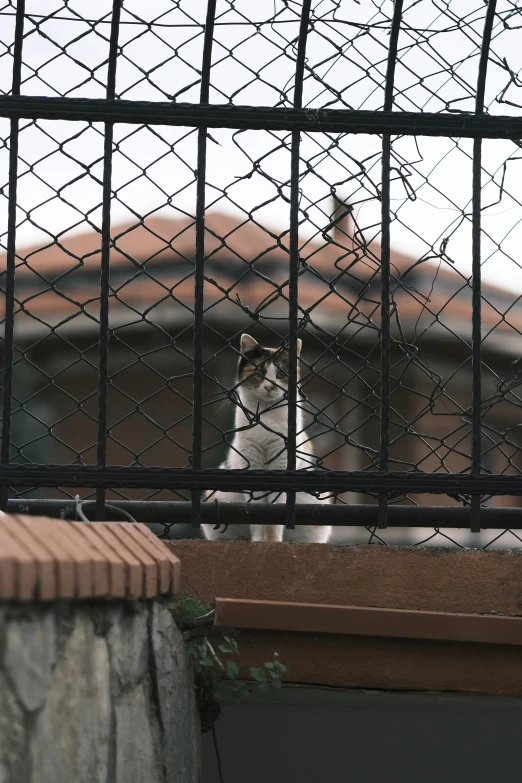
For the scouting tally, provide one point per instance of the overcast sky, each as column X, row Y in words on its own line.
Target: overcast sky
column 253, row 65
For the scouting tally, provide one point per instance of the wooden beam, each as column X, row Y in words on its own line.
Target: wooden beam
column 367, row 621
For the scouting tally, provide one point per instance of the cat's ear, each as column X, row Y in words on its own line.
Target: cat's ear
column 247, row 343
column 299, row 344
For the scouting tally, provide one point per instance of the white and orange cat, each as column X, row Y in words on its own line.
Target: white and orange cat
column 261, row 426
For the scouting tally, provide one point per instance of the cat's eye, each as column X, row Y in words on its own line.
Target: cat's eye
column 280, row 375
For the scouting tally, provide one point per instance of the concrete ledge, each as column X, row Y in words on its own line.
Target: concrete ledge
column 421, row 579
column 380, row 586
column 52, row 559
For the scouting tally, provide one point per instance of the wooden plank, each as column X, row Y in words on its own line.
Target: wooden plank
column 367, row 621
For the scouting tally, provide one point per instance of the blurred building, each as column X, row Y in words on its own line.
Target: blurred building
column 246, row 289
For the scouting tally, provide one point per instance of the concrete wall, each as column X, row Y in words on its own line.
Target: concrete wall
column 311, row 734
column 95, row 692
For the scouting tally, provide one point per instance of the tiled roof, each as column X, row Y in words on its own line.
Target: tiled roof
column 247, row 265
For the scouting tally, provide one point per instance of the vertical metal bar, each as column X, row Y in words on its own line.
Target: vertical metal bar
column 476, row 282
column 293, row 315
column 101, row 455
column 293, row 274
column 384, row 444
column 5, row 450
column 199, row 270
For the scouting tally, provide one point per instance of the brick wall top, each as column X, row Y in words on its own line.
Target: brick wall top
column 48, row 559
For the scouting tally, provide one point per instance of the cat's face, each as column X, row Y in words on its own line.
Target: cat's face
column 263, row 372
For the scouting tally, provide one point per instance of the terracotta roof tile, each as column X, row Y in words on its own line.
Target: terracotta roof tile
column 47, row 583
column 51, row 539
column 159, row 556
column 75, row 571
column 18, row 567
column 117, row 580
column 156, row 247
column 101, row 562
column 148, row 567
column 49, row 558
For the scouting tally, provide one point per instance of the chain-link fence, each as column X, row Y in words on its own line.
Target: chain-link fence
column 176, row 175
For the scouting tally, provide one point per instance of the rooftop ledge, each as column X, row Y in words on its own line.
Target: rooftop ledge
column 368, row 617
column 422, row 579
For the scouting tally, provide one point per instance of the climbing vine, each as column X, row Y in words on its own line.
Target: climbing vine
column 216, row 673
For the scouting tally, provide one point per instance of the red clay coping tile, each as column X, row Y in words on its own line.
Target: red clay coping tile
column 18, row 569
column 45, row 583
column 48, row 559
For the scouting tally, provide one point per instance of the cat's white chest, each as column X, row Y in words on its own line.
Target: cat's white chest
column 260, row 444
column 264, row 448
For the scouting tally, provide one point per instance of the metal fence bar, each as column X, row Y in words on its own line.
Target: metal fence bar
column 310, row 120
column 101, row 453
column 381, row 484
column 163, row 512
column 293, row 312
column 5, row 450
column 476, row 330
column 199, row 268
column 385, row 264
column 371, row 482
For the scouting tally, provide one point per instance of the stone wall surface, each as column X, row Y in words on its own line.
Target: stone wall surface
column 94, row 692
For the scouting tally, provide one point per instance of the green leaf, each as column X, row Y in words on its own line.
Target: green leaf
column 231, row 643
column 186, row 607
column 257, row 674
column 226, row 649
column 277, row 683
column 206, row 662
column 240, row 691
column 264, row 686
column 275, row 666
column 232, row 669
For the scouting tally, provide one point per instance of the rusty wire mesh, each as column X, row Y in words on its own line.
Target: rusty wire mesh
column 60, row 207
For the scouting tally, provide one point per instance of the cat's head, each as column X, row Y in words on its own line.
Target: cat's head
column 262, row 373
